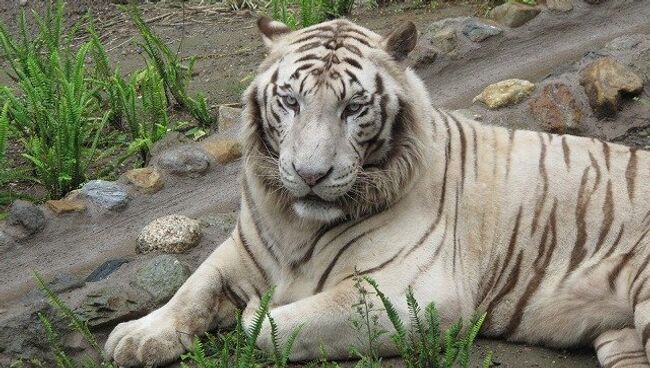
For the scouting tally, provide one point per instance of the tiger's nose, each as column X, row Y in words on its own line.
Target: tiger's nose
column 313, row 177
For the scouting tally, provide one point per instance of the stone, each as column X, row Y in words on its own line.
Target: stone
column 469, row 114
column 26, row 217
column 58, row 284
column 594, row 1
column 186, row 160
column 557, row 109
column 107, row 306
column 560, row 5
column 225, row 222
column 106, row 194
column 170, row 140
column 61, row 206
column 161, row 277
column 106, row 269
column 605, row 82
column 626, row 42
column 169, row 234
column 439, row 40
column 505, row 93
column 478, row 31
column 228, row 117
column 223, row 150
column 147, row 179
column 445, row 40
column 6, row 241
column 513, row 14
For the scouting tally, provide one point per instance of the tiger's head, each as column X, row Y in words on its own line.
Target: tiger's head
column 332, row 124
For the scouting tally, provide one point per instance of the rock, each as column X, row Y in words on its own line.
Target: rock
column 557, row 110
column 223, row 150
column 161, row 277
column 170, row 234
column 478, row 31
column 445, row 40
column 469, row 114
column 627, row 42
column 6, row 241
column 57, row 285
column 228, row 117
column 26, row 217
column 439, row 40
column 605, row 81
column 224, row 221
column 186, row 160
column 594, row 1
column 513, row 14
column 170, row 140
column 110, row 305
column 147, row 179
column 105, row 269
column 106, row 194
column 561, row 5
column 505, row 93
column 61, row 206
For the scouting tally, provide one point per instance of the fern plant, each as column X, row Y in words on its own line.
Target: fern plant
column 175, row 75
column 53, row 112
column 420, row 346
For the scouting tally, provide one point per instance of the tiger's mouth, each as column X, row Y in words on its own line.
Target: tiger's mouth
column 313, row 207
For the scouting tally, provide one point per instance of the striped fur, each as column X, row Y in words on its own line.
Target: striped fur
column 548, row 234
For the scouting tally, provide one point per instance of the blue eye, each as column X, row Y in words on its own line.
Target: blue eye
column 352, row 109
column 290, row 101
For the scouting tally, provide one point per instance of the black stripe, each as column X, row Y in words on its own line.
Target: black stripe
column 352, row 62
column 247, row 248
column 328, row 270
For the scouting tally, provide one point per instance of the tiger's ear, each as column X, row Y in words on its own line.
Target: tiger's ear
column 401, row 41
column 271, row 30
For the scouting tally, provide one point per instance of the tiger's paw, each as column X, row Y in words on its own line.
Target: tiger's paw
column 149, row 341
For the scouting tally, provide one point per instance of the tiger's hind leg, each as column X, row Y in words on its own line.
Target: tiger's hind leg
column 621, row 348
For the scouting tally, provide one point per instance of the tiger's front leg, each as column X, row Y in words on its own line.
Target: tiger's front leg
column 325, row 323
column 205, row 301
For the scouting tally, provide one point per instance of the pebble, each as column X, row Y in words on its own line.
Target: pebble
column 513, row 14
column 26, row 217
column 106, row 194
column 106, row 269
column 161, row 277
column 147, row 179
column 187, row 160
column 606, row 81
column 478, row 31
column 169, row 234
column 505, row 93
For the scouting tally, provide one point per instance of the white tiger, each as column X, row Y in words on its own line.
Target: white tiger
column 348, row 166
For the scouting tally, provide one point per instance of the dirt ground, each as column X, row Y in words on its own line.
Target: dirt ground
column 228, row 49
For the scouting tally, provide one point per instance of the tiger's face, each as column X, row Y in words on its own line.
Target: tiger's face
column 327, row 108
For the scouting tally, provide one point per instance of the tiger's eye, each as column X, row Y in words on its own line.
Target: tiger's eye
column 290, row 100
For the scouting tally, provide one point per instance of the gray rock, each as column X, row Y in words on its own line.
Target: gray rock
column 438, row 40
column 27, row 217
column 561, row 5
column 624, row 42
column 110, row 305
column 169, row 141
column 58, row 284
column 513, row 14
column 170, row 234
column 478, row 31
column 106, row 194
column 6, row 241
column 185, row 160
column 223, row 221
column 594, row 1
column 161, row 277
column 105, row 269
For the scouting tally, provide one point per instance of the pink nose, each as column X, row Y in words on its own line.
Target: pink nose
column 312, row 178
